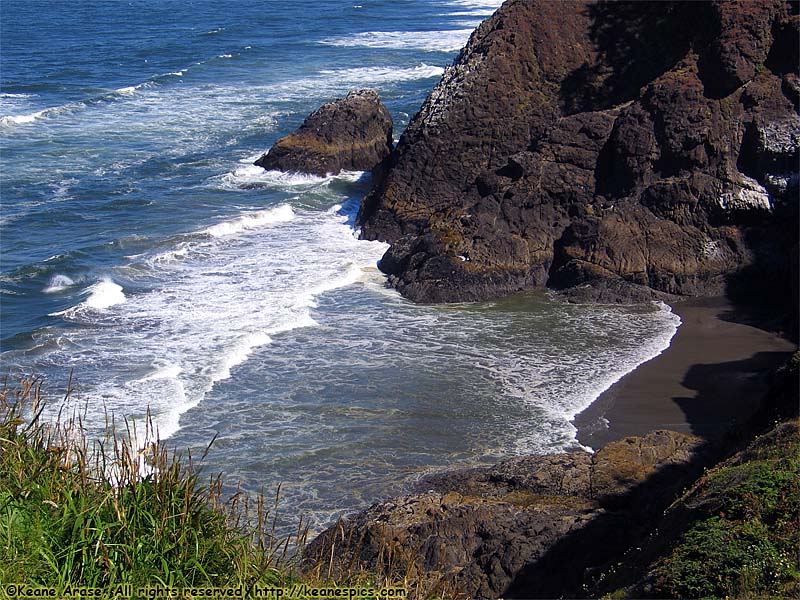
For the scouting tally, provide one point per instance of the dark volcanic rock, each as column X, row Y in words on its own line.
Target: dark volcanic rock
column 478, row 531
column 353, row 133
column 621, row 146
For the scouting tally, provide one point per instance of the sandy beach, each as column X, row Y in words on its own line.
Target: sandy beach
column 712, row 375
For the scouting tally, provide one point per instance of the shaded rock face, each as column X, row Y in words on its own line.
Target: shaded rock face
column 625, row 147
column 480, row 531
column 353, row 133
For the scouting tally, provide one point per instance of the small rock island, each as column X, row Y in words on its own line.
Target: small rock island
column 353, row 133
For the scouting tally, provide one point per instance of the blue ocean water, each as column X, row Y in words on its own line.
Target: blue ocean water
column 141, row 248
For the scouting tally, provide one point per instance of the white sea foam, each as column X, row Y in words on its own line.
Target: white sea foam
column 470, row 13
column 479, row 8
column 170, row 371
column 237, row 354
column 478, row 4
column 220, row 293
column 61, row 190
column 70, row 107
column 666, row 328
column 254, row 220
column 11, row 120
column 364, row 75
column 104, row 294
column 169, row 256
column 58, row 283
column 559, row 388
column 250, row 176
column 336, row 82
column 124, row 92
column 431, row 41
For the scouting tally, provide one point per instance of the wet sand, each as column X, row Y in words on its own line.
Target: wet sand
column 713, row 374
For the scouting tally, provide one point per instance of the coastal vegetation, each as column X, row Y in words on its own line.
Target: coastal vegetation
column 749, row 548
column 110, row 514
column 744, row 532
column 106, row 514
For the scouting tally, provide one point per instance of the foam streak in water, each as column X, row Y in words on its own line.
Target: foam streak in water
column 281, row 214
column 431, row 41
column 220, row 293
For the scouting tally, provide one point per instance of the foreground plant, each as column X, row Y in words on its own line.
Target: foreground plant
column 120, row 512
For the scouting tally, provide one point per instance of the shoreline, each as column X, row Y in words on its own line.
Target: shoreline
column 712, row 375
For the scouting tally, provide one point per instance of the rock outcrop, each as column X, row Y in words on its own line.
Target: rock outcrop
column 353, row 133
column 625, row 147
column 478, row 532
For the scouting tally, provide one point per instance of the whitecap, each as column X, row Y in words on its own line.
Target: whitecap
column 170, row 371
column 11, row 120
column 470, row 13
column 431, row 41
column 216, row 295
column 249, row 176
column 237, row 354
column 171, row 256
column 279, row 214
column 478, row 4
column 365, row 75
column 104, row 294
column 58, row 283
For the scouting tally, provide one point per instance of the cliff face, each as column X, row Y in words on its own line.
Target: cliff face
column 632, row 146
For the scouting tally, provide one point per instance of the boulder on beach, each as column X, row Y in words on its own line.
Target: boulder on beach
column 353, row 133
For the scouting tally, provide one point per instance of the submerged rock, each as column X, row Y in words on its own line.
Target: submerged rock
column 353, row 133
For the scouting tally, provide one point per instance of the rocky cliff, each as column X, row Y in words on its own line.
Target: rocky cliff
column 613, row 148
column 478, row 532
column 352, row 133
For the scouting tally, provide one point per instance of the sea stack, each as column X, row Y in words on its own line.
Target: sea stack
column 353, row 133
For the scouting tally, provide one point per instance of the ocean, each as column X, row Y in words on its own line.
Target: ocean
column 142, row 251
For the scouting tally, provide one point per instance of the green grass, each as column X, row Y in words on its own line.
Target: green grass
column 746, row 543
column 110, row 513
